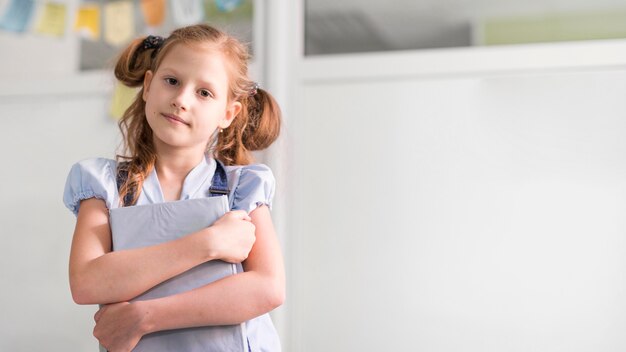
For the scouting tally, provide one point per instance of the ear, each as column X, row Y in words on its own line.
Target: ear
column 231, row 112
column 147, row 79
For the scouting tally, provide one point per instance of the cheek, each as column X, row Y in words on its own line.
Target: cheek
column 151, row 106
column 148, row 112
column 151, row 114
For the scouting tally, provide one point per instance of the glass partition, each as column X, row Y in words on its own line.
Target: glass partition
column 333, row 27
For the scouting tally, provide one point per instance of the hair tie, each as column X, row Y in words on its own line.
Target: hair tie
column 150, row 42
column 254, row 89
column 153, row 42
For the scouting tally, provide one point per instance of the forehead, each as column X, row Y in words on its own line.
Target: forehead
column 201, row 61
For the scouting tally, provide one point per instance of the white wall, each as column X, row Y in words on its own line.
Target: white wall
column 475, row 211
column 41, row 136
column 50, row 119
column 40, row 58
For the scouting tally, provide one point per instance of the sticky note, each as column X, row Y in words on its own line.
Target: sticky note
column 187, row 12
column 227, row 5
column 88, row 21
column 52, row 19
column 118, row 22
column 227, row 11
column 123, row 97
column 18, row 15
column 153, row 12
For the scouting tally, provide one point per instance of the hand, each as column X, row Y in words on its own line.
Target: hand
column 231, row 237
column 119, row 326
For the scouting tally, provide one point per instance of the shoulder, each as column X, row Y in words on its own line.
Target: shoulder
column 93, row 170
column 90, row 178
column 252, row 171
column 94, row 165
column 251, row 186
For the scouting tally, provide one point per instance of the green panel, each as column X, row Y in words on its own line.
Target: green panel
column 555, row 28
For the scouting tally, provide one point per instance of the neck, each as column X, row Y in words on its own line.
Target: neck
column 175, row 164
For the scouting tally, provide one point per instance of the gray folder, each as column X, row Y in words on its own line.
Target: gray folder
column 146, row 225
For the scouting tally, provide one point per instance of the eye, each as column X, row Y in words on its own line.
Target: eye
column 205, row 93
column 171, row 81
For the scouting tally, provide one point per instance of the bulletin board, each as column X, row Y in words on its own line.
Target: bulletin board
column 104, row 27
column 158, row 17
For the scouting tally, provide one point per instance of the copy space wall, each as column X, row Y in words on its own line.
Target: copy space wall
column 474, row 212
column 51, row 118
column 42, row 135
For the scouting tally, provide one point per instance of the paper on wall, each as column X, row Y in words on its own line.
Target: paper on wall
column 123, row 96
column 18, row 15
column 118, row 22
column 187, row 12
column 52, row 19
column 88, row 21
column 153, row 12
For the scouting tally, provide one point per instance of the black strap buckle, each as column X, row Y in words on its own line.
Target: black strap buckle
column 219, row 191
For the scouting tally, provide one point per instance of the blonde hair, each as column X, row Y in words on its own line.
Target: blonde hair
column 256, row 126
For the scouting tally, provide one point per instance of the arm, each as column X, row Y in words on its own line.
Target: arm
column 234, row 299
column 231, row 300
column 98, row 275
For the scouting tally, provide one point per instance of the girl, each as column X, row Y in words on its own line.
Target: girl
column 196, row 108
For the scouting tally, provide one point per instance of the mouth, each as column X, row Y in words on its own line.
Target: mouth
column 175, row 119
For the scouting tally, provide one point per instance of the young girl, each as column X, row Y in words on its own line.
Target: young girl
column 197, row 108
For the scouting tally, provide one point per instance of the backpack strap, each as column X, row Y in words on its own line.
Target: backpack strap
column 219, row 183
column 122, row 175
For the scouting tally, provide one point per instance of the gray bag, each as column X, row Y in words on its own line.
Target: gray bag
column 146, row 225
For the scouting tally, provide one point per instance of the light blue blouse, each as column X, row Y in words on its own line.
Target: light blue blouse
column 250, row 186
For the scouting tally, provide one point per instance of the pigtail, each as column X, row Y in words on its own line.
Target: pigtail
column 133, row 63
column 264, row 119
column 139, row 155
column 255, row 128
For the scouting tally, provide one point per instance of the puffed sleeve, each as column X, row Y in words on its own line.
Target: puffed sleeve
column 255, row 187
column 90, row 178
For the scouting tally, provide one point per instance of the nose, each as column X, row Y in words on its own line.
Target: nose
column 180, row 100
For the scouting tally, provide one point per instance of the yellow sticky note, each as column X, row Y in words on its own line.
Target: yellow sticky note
column 123, row 96
column 52, row 19
column 118, row 22
column 153, row 12
column 88, row 21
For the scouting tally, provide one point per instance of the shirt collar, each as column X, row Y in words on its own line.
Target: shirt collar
column 197, row 179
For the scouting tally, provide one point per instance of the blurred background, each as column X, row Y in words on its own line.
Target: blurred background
column 451, row 174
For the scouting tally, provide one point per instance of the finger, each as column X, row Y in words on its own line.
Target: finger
column 240, row 214
column 98, row 314
column 245, row 215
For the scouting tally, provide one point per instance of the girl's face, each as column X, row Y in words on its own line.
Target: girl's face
column 187, row 97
